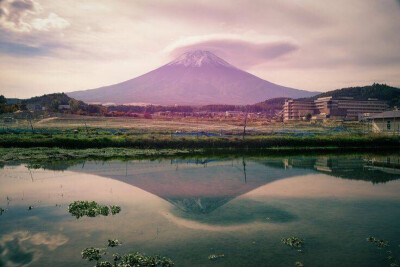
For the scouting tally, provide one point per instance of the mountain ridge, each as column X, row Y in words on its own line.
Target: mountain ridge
column 382, row 92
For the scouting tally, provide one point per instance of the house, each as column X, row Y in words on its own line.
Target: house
column 34, row 107
column 386, row 122
column 64, row 107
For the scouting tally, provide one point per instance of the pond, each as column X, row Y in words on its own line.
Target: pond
column 231, row 211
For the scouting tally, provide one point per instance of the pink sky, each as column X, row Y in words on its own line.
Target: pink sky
column 53, row 46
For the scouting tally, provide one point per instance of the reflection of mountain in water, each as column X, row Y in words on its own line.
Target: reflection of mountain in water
column 194, row 187
column 200, row 186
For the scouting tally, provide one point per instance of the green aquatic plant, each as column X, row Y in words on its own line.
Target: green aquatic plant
column 90, row 209
column 135, row 259
column 116, row 258
column 293, row 242
column 214, row 257
column 115, row 209
column 104, row 210
column 113, row 243
column 139, row 260
column 299, row 264
column 92, row 254
column 379, row 242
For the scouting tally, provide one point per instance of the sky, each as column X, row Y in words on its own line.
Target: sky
column 49, row 46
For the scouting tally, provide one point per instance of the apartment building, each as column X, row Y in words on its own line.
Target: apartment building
column 333, row 108
column 297, row 109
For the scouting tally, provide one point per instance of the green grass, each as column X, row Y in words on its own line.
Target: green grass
column 28, row 140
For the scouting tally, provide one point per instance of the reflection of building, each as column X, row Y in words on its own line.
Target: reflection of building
column 388, row 121
column 375, row 170
column 328, row 107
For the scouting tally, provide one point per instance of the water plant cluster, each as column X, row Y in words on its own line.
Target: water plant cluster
column 135, row 259
column 380, row 243
column 214, row 257
column 113, row 243
column 91, row 209
column 293, row 242
column 92, row 254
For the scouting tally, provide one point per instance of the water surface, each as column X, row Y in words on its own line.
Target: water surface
column 188, row 209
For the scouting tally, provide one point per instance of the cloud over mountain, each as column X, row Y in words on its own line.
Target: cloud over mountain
column 241, row 52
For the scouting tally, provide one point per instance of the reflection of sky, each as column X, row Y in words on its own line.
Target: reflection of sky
column 307, row 204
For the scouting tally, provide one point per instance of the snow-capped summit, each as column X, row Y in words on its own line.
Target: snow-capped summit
column 198, row 58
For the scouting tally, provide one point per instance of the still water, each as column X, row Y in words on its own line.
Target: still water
column 188, row 209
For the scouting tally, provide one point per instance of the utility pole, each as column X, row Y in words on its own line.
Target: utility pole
column 30, row 120
column 245, row 122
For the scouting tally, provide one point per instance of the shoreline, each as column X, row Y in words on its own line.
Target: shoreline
column 77, row 141
column 55, row 154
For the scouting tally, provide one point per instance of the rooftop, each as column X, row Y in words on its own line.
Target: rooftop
column 387, row 114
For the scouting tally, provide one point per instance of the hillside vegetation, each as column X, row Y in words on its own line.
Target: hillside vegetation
column 379, row 91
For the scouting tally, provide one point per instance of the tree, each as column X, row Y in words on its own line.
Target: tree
column 74, row 104
column 308, row 116
column 3, row 100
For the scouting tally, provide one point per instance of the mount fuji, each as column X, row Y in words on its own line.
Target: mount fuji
column 195, row 78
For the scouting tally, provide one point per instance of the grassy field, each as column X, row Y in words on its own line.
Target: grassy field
column 167, row 126
column 149, row 141
column 77, row 132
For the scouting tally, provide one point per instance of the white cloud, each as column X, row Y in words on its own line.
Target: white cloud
column 53, row 21
column 24, row 16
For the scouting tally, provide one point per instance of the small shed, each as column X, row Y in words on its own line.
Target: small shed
column 386, row 122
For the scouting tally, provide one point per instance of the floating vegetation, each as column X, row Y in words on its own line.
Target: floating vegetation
column 115, row 209
column 214, row 257
column 138, row 259
column 92, row 254
column 299, row 264
column 91, row 209
column 113, row 243
column 135, row 259
column 116, row 257
column 293, row 242
column 379, row 242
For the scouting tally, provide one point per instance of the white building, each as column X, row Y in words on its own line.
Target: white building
column 386, row 122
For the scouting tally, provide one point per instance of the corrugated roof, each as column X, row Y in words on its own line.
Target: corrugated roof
column 387, row 114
